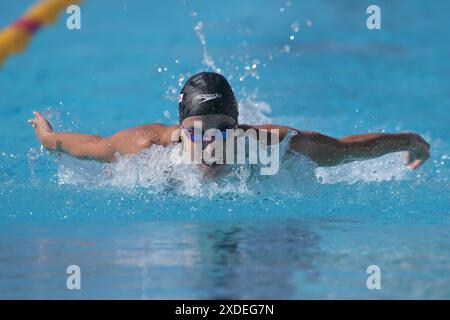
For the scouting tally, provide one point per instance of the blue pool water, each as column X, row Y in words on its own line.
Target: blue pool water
column 142, row 229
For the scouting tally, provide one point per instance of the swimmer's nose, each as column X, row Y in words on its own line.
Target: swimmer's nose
column 213, row 154
column 208, row 146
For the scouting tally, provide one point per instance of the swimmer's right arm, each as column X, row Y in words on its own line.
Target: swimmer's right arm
column 87, row 146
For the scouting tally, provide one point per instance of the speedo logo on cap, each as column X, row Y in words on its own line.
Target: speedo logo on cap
column 208, row 96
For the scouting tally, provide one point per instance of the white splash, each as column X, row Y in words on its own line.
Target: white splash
column 252, row 110
column 159, row 170
column 385, row 168
column 207, row 59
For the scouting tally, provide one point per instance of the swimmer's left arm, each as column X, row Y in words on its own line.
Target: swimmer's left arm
column 329, row 151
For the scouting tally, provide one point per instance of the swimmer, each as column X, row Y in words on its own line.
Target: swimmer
column 207, row 98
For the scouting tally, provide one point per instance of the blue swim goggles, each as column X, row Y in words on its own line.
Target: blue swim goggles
column 194, row 136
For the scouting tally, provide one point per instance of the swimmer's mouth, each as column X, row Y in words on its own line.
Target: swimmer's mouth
column 211, row 170
column 210, row 165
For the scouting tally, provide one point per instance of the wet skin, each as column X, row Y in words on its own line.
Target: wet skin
column 323, row 150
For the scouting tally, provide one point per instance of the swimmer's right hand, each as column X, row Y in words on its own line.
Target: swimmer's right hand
column 41, row 126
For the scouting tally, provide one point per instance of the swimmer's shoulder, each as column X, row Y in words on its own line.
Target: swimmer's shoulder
column 144, row 136
column 156, row 133
column 282, row 130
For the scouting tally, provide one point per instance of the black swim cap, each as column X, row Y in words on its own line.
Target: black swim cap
column 207, row 93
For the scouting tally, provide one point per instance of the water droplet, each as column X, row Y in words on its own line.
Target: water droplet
column 166, row 114
column 180, row 79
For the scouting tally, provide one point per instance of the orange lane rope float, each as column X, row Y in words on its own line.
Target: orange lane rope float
column 15, row 37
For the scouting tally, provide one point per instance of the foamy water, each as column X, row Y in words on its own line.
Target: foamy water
column 160, row 169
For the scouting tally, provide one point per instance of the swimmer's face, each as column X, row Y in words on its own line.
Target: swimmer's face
column 208, row 134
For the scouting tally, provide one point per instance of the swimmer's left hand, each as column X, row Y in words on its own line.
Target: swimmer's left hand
column 418, row 151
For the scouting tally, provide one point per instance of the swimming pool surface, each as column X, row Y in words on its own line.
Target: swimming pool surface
column 143, row 229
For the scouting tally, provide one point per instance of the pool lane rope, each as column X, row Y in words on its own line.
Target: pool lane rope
column 15, row 37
